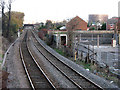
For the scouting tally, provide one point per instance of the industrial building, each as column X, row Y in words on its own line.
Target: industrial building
column 93, row 18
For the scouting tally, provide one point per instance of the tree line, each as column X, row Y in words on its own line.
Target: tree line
column 11, row 20
column 52, row 25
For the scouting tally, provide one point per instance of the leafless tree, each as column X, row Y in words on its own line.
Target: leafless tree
column 2, row 6
column 9, row 16
column 71, row 26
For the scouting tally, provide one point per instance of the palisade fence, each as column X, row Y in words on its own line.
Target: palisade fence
column 87, row 49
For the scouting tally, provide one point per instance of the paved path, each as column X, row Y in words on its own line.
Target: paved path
column 17, row 77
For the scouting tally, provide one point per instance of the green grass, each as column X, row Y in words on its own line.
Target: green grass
column 1, row 55
column 1, row 61
column 90, row 67
column 85, row 65
column 59, row 51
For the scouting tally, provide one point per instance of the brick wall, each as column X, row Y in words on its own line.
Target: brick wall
column 77, row 24
column 118, row 25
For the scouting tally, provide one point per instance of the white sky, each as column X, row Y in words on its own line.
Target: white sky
column 58, row 10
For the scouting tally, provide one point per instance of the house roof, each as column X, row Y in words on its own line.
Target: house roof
column 63, row 28
column 77, row 23
column 112, row 20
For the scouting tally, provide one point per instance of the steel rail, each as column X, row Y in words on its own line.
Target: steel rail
column 26, row 70
column 40, row 68
column 28, row 75
column 59, row 69
column 69, row 66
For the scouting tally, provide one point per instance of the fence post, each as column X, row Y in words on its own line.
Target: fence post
column 98, row 40
column 88, row 54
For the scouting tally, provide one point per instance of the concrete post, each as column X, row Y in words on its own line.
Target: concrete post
column 60, row 41
column 81, row 56
column 92, row 37
column 18, row 33
column 80, row 37
column 88, row 54
column 57, row 40
column 98, row 40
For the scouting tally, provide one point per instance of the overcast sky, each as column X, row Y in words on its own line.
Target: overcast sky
column 58, row 10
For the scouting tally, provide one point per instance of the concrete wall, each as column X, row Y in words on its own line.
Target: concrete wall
column 57, row 38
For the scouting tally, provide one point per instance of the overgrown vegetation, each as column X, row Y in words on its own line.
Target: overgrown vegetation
column 16, row 23
column 59, row 51
column 11, row 20
column 102, row 72
column 52, row 25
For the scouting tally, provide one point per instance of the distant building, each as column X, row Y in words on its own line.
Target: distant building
column 77, row 24
column 38, row 25
column 118, row 28
column 111, row 23
column 93, row 18
column 118, row 25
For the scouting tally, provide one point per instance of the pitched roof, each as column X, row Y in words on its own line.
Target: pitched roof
column 77, row 23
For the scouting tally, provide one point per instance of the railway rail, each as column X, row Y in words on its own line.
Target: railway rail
column 78, row 79
column 36, row 76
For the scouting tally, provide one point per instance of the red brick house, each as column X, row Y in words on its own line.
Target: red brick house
column 118, row 28
column 77, row 24
column 118, row 25
column 111, row 23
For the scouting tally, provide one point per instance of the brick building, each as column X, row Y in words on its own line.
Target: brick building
column 76, row 24
column 118, row 25
column 118, row 28
column 111, row 23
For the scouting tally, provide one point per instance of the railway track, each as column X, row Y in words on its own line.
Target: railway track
column 78, row 79
column 36, row 76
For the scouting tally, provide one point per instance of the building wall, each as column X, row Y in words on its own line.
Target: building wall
column 58, row 39
column 118, row 25
column 111, row 23
column 110, row 26
column 97, row 17
column 77, row 24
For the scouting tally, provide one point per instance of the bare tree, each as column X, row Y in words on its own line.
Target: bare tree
column 2, row 5
column 48, row 24
column 71, row 26
column 9, row 17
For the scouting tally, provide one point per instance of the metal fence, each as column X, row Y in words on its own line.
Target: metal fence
column 86, row 46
